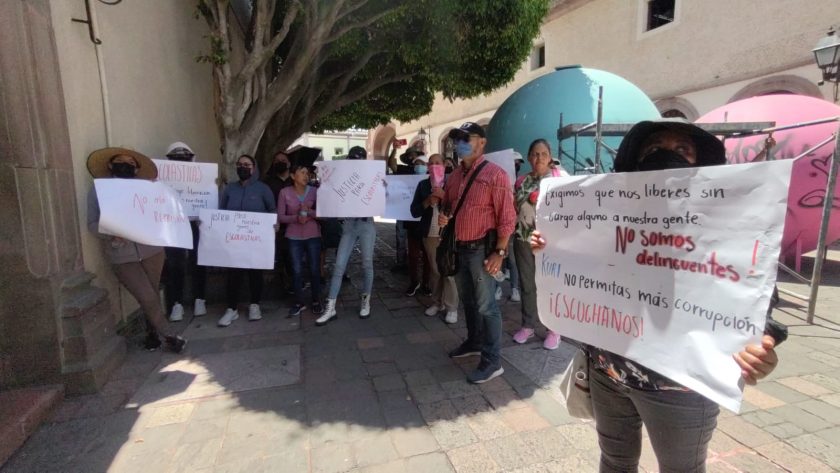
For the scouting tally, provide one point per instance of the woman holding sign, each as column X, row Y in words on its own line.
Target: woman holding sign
column 526, row 189
column 296, row 209
column 250, row 195
column 137, row 266
column 626, row 394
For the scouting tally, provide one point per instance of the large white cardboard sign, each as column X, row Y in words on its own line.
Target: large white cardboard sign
column 195, row 183
column 352, row 188
column 671, row 269
column 236, row 239
column 399, row 192
column 142, row 211
column 505, row 160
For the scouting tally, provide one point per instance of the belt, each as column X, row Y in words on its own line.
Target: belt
column 471, row 244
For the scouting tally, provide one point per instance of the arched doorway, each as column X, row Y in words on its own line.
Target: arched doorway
column 383, row 136
column 677, row 107
column 783, row 84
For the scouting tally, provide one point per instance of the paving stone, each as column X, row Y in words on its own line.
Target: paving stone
column 832, row 435
column 471, row 405
column 436, row 462
column 460, row 388
column 762, row 418
column 510, row 452
column 784, row 430
column 427, row 393
column 744, row 432
column 445, row 374
column 195, row 456
column 381, row 368
column 375, row 355
column 574, row 464
column 821, row 409
column 414, row 441
column 547, row 445
column 804, row 386
column 580, row 436
column 368, row 343
column 489, row 425
column 752, row 462
column 781, row 392
column 833, row 399
column 761, row 399
column 788, row 457
column 396, row 466
column 333, row 458
column 828, row 382
column 799, row 417
column 525, row 419
column 375, row 450
column 388, row 382
column 504, row 399
column 437, row 411
column 408, row 416
column 494, row 385
column 419, row 337
column 204, row 430
column 174, row 414
column 453, row 433
column 722, row 443
column 472, row 459
column 397, row 398
column 548, row 405
column 419, row 378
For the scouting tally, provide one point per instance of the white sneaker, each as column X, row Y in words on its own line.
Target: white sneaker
column 507, row 274
column 499, row 293
column 228, row 318
column 199, row 308
column 177, row 313
column 329, row 314
column 433, row 310
column 364, row 310
column 254, row 312
column 451, row 317
column 514, row 295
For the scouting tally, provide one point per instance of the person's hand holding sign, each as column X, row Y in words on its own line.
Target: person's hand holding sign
column 537, row 242
column 756, row 361
column 443, row 219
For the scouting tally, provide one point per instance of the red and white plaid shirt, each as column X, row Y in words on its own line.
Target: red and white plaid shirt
column 488, row 205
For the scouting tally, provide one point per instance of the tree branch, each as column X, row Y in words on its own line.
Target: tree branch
column 359, row 24
column 351, row 9
column 263, row 53
column 367, row 89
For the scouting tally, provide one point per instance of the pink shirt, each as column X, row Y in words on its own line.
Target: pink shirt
column 288, row 209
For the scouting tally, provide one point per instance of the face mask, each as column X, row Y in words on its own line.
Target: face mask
column 123, row 170
column 243, row 173
column 464, row 149
column 315, row 182
column 279, row 168
column 436, row 174
column 420, row 169
column 663, row 159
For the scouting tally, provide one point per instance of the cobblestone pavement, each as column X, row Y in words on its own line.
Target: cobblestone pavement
column 380, row 395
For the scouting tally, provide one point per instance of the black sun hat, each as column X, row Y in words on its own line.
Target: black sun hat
column 710, row 150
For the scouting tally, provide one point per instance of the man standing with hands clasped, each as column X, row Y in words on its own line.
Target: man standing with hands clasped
column 483, row 226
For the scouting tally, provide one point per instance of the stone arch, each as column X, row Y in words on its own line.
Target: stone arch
column 445, row 147
column 677, row 107
column 382, row 136
column 781, row 84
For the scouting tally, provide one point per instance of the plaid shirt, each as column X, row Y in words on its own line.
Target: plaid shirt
column 488, row 205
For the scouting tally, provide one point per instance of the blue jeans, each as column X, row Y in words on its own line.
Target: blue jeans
column 311, row 248
column 680, row 425
column 477, row 289
column 352, row 230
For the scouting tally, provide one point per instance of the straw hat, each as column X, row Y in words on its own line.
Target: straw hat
column 710, row 150
column 97, row 163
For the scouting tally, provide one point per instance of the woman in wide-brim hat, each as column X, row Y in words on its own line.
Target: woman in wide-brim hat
column 137, row 266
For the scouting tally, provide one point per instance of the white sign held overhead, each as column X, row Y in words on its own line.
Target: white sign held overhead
column 142, row 211
column 195, row 183
column 671, row 269
column 236, row 239
column 399, row 191
column 353, row 188
column 505, row 160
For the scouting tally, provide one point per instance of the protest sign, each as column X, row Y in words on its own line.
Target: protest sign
column 142, row 211
column 236, row 239
column 671, row 269
column 195, row 183
column 504, row 159
column 352, row 188
column 399, row 192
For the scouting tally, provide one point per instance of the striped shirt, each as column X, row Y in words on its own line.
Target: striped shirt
column 488, row 205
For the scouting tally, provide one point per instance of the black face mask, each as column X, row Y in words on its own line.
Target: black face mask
column 123, row 170
column 180, row 157
column 663, row 159
column 279, row 168
column 243, row 173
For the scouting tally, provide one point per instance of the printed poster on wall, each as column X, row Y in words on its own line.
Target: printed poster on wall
column 195, row 183
column 236, row 239
column 399, row 193
column 505, row 160
column 352, row 188
column 672, row 269
column 142, row 211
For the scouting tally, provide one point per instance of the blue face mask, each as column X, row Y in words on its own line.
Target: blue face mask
column 463, row 148
column 421, row 169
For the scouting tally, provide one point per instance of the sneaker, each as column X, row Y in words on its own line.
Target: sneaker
column 552, row 341
column 464, row 350
column 364, row 310
column 499, row 293
column 485, row 372
column 523, row 335
column 317, row 308
column 507, row 273
column 433, row 310
column 176, row 344
column 296, row 310
column 514, row 295
column 228, row 318
column 152, row 342
column 254, row 312
column 451, row 317
column 329, row 314
column 199, row 308
column 177, row 313
column 412, row 289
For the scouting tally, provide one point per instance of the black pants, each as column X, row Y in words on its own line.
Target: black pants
column 179, row 262
column 234, row 283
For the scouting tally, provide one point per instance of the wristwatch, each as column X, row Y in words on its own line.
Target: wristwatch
column 501, row 252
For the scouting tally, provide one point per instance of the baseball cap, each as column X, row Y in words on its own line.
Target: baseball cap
column 357, row 152
column 464, row 131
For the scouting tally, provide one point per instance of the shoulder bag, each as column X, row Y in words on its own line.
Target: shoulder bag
column 447, row 251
